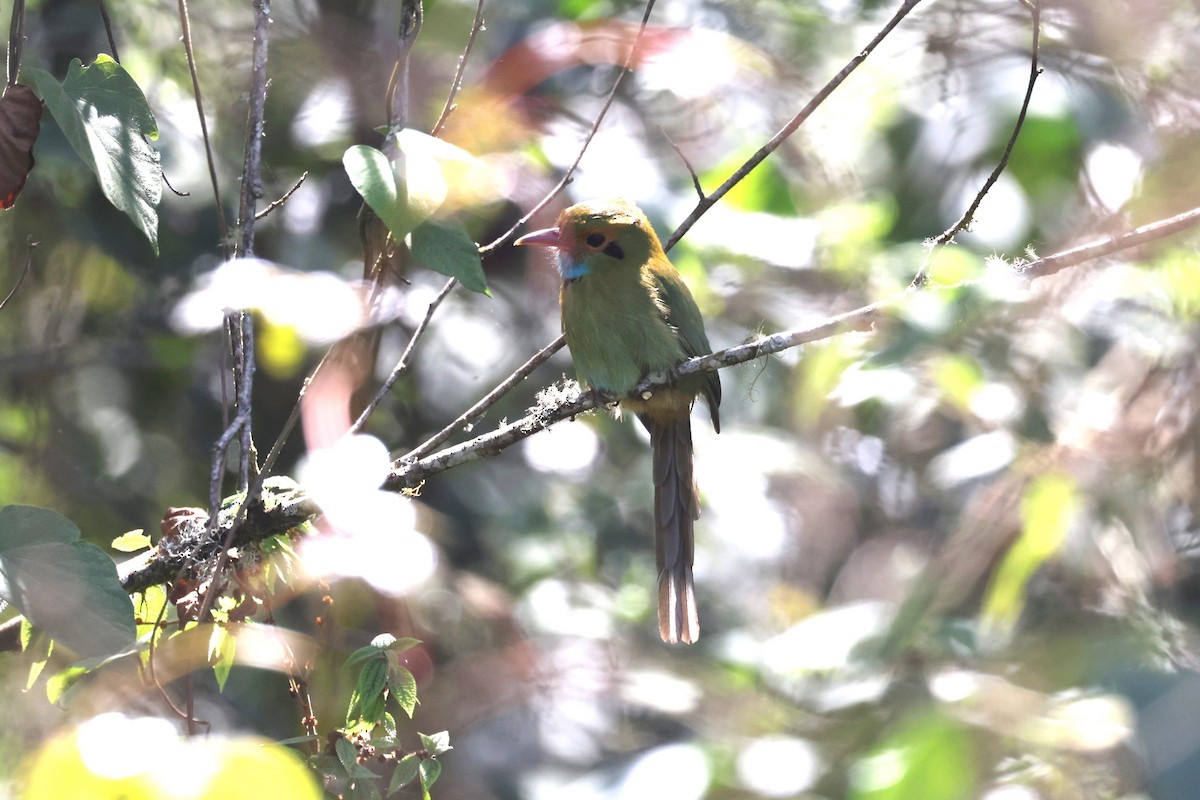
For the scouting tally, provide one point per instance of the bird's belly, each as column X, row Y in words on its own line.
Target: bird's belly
column 616, row 341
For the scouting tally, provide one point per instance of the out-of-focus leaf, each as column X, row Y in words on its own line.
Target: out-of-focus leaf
column 1047, row 510
column 959, row 377
column 221, row 649
column 64, row 586
column 764, row 189
column 209, row 768
column 929, row 757
column 105, row 117
column 20, row 124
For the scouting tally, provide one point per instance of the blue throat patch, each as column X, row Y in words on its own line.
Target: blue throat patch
column 571, row 270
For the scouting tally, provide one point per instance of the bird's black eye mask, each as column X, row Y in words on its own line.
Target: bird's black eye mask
column 613, row 249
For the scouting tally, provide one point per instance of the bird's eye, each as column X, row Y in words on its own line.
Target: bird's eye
column 594, row 239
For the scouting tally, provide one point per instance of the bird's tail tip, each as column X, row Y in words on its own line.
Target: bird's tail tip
column 677, row 617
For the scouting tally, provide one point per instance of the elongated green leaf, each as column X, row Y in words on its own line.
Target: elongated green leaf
column 105, row 117
column 406, row 770
column 365, row 702
column 404, row 688
column 447, row 249
column 371, row 174
column 1048, row 509
column 429, row 771
column 66, row 587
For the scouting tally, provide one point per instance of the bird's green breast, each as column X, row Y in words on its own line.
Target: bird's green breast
column 615, row 326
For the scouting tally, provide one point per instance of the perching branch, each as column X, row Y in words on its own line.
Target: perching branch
column 408, row 474
column 476, row 411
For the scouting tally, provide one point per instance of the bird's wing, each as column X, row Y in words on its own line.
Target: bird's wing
column 684, row 315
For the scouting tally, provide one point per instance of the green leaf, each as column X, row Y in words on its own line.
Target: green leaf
column 404, row 688
column 927, row 757
column 1048, row 508
column 221, row 649
column 105, row 117
column 437, row 743
column 372, row 176
column 41, row 656
column 347, row 753
column 362, row 654
column 60, row 683
column 429, row 771
column 372, row 680
column 449, row 250
column 406, row 770
column 131, row 542
column 66, row 587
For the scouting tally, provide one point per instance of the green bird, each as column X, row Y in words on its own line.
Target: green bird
column 627, row 313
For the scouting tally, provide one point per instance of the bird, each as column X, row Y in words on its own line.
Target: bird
column 627, row 314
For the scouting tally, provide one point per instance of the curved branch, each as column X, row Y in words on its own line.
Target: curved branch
column 787, row 130
column 408, row 474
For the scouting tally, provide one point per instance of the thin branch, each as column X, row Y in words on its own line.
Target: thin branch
column 787, row 130
column 473, row 413
column 410, row 474
column 24, row 271
column 412, row 14
column 456, row 84
column 566, row 178
column 278, row 202
column 186, row 25
column 253, row 522
column 402, row 364
column 255, row 125
column 112, row 41
column 1153, row 231
column 947, row 236
column 691, row 170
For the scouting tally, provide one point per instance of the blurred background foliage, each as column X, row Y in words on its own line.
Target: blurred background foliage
column 950, row 557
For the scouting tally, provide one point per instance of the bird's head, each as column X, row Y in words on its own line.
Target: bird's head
column 598, row 236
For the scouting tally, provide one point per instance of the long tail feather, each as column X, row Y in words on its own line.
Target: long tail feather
column 676, row 507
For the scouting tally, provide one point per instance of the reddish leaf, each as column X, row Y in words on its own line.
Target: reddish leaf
column 20, row 122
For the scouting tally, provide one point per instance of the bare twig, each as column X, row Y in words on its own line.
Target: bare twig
column 411, row 16
column 255, row 125
column 112, row 41
column 186, row 25
column 279, row 201
column 566, row 178
column 402, row 364
column 456, row 84
column 948, row 235
column 24, row 271
column 409, row 474
column 787, row 130
column 691, row 170
column 490, row 399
